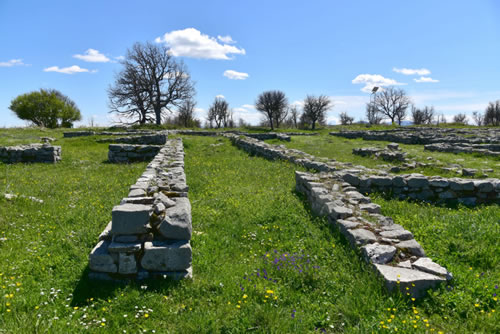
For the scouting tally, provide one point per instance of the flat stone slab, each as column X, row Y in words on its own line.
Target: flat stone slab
column 166, row 256
column 338, row 212
column 371, row 208
column 101, row 260
column 429, row 266
column 137, row 193
column 400, row 234
column 377, row 253
column 360, row 236
column 177, row 222
column 124, row 247
column 130, row 218
column 411, row 246
column 407, row 278
column 345, row 225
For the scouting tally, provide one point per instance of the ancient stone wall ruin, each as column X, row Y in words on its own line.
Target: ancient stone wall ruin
column 30, row 153
column 159, row 138
column 150, row 231
column 414, row 186
column 125, row 153
column 394, row 253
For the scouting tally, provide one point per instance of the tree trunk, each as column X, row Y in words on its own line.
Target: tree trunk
column 313, row 125
column 158, row 115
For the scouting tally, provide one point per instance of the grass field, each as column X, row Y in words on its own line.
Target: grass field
column 340, row 149
column 262, row 263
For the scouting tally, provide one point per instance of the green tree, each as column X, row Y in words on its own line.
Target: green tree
column 47, row 108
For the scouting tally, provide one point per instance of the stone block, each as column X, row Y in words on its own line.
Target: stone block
column 400, row 234
column 360, row 236
column 370, row 208
column 166, row 256
column 130, row 218
column 337, row 211
column 177, row 222
column 101, row 260
column 124, row 247
column 429, row 266
column 416, row 281
column 377, row 253
column 411, row 246
column 127, row 264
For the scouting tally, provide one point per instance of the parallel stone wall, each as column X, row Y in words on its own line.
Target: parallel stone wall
column 125, row 153
column 394, row 253
column 258, row 136
column 150, row 231
column 484, row 149
column 415, row 186
column 30, row 153
column 424, row 136
column 159, row 138
column 105, row 133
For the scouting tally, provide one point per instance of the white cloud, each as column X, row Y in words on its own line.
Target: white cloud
column 68, row 70
column 248, row 106
column 409, row 71
column 425, row 79
column 226, row 39
column 12, row 62
column 220, row 96
column 372, row 80
column 120, row 58
column 93, row 56
column 235, row 75
column 192, row 43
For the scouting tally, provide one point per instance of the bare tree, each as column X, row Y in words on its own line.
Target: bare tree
column 152, row 82
column 440, row 119
column 422, row 116
column 460, row 119
column 273, row 105
column 345, row 119
column 393, row 103
column 372, row 114
column 218, row 113
column 478, row 118
column 294, row 116
column 185, row 113
column 315, row 109
column 492, row 114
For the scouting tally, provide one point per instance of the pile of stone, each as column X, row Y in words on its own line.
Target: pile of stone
column 30, row 153
column 392, row 250
column 484, row 149
column 159, row 138
column 150, row 231
column 392, row 152
column 126, row 153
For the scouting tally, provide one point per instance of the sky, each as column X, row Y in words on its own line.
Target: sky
column 442, row 53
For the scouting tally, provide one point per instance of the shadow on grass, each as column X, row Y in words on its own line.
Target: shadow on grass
column 88, row 288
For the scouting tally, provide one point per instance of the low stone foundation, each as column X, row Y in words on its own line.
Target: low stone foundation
column 149, row 139
column 392, row 250
column 415, row 186
column 150, row 231
column 125, row 153
column 484, row 149
column 30, row 153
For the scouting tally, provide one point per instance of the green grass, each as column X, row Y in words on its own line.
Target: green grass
column 341, row 150
column 244, row 208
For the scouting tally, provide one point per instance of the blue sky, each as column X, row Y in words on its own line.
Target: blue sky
column 443, row 53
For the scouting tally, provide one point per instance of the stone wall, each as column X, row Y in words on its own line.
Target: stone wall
column 394, row 253
column 424, row 136
column 484, row 149
column 125, row 153
column 105, row 133
column 30, row 153
column 159, row 138
column 415, row 186
column 258, row 136
column 150, row 231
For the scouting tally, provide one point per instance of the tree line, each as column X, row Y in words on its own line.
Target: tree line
column 154, row 87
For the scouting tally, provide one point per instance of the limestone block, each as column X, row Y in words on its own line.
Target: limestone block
column 429, row 266
column 130, row 218
column 400, row 234
column 371, row 208
column 127, row 264
column 337, row 211
column 377, row 253
column 416, row 281
column 411, row 246
column 137, row 193
column 106, row 234
column 177, row 222
column 360, row 236
column 417, row 181
column 100, row 259
column 345, row 225
column 165, row 256
column 124, row 247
